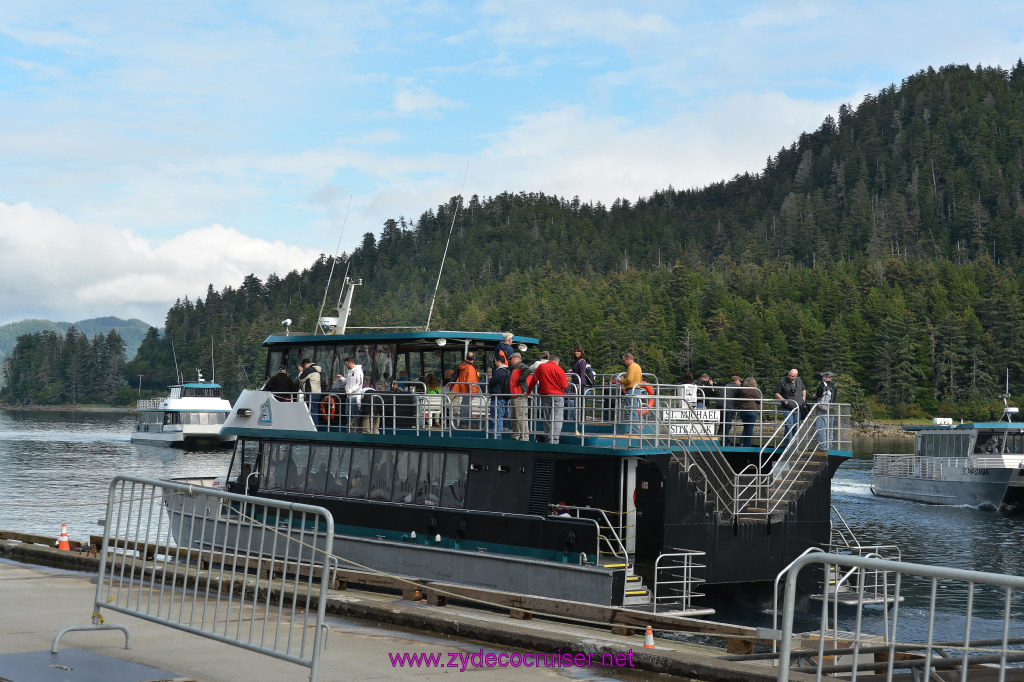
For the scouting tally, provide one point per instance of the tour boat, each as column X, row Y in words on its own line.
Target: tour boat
column 637, row 504
column 191, row 415
column 977, row 464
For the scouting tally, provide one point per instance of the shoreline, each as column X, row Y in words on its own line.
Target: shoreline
column 879, row 430
column 66, row 408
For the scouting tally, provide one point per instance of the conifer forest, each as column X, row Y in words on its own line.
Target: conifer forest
column 885, row 246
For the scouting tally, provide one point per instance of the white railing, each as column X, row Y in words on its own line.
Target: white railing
column 246, row 571
column 926, row 656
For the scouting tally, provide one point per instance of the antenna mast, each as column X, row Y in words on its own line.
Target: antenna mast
column 177, row 374
column 334, row 261
column 451, row 230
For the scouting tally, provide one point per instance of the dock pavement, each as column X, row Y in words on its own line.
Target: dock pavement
column 37, row 601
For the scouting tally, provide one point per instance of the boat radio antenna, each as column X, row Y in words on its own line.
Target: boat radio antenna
column 458, row 204
column 334, row 261
column 177, row 374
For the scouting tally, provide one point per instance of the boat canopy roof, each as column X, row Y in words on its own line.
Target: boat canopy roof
column 405, row 341
column 193, row 384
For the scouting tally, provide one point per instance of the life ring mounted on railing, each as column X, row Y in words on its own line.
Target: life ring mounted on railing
column 650, row 399
column 330, row 406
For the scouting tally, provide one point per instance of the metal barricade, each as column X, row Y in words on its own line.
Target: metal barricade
column 831, row 651
column 240, row 570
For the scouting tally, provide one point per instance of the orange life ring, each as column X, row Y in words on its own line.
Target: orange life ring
column 650, row 392
column 329, row 405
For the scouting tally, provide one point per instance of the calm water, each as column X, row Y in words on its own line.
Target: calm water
column 56, row 467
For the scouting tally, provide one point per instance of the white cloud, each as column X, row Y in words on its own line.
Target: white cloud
column 418, row 99
column 57, row 268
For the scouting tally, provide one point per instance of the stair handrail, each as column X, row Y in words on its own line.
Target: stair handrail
column 600, row 536
column 717, row 470
column 849, row 531
column 795, row 453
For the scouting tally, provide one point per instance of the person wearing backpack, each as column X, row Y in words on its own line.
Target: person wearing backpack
column 582, row 380
column 825, row 395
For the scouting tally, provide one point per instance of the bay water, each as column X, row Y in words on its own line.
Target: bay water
column 56, row 467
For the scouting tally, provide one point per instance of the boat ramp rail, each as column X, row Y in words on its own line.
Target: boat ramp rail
column 941, row 651
column 252, row 573
column 148, row 403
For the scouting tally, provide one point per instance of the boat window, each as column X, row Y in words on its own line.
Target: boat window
column 337, row 471
column 316, row 479
column 297, row 468
column 1012, row 444
column 200, row 392
column 248, row 453
column 384, row 365
column 357, row 478
column 278, row 462
column 383, row 473
column 454, row 492
column 407, row 464
column 984, row 444
column 428, row 490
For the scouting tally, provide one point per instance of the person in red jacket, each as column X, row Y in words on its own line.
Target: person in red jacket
column 550, row 381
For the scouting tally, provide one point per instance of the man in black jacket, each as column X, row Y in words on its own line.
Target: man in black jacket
column 281, row 384
column 792, row 394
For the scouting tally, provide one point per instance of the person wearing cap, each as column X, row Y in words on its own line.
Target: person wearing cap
column 825, row 396
column 791, row 394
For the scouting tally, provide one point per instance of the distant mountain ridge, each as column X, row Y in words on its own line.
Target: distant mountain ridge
column 132, row 331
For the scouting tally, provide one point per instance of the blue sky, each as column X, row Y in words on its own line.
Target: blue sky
column 150, row 149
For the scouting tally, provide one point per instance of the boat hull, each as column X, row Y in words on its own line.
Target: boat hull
column 975, row 487
column 222, row 530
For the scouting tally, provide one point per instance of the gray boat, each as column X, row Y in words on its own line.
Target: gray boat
column 979, row 464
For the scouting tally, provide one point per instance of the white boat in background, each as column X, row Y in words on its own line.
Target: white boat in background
column 978, row 464
column 192, row 414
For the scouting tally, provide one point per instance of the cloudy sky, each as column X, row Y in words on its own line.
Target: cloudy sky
column 149, row 149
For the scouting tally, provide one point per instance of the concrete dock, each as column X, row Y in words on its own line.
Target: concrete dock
column 367, row 631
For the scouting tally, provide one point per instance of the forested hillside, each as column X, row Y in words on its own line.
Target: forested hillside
column 885, row 245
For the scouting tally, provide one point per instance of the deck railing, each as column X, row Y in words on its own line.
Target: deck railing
column 788, row 449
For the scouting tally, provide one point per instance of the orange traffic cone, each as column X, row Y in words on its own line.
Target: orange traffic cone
column 649, row 638
column 63, row 542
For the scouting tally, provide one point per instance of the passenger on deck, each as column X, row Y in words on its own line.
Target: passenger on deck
column 825, row 396
column 630, row 382
column 281, row 385
column 339, row 383
column 353, row 389
column 519, row 388
column 309, row 383
column 433, row 385
column 543, row 358
column 747, row 409
column 466, row 383
column 504, row 349
column 549, row 381
column 704, row 392
column 498, row 387
column 581, row 379
column 730, row 395
column 791, row 394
